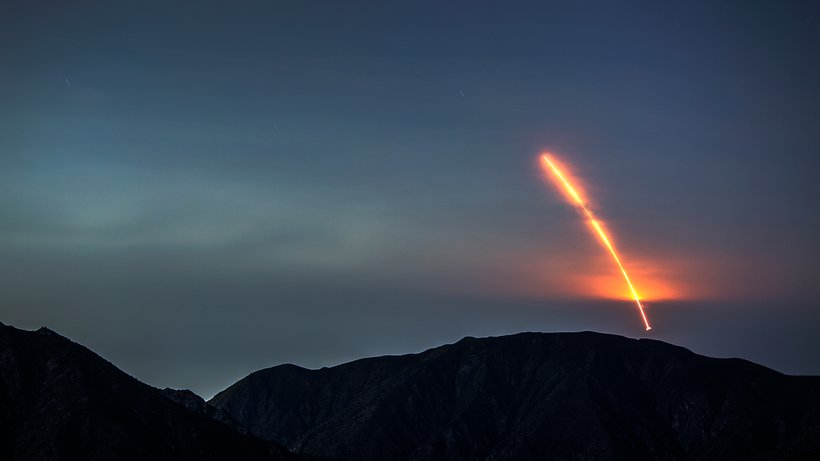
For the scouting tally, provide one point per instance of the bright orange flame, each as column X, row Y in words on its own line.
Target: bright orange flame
column 562, row 180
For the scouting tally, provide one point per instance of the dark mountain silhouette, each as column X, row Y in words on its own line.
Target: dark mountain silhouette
column 198, row 405
column 569, row 396
column 60, row 401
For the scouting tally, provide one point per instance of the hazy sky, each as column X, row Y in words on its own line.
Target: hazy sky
column 199, row 190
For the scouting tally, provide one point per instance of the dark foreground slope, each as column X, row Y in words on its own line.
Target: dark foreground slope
column 572, row 396
column 60, row 401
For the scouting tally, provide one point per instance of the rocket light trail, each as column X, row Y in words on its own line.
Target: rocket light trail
column 561, row 180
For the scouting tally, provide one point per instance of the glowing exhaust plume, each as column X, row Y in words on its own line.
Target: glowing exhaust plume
column 562, row 181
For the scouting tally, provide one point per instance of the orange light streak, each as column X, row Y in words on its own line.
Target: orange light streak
column 597, row 226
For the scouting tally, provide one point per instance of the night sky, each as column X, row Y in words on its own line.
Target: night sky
column 199, row 190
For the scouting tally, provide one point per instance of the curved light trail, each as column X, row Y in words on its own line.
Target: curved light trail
column 560, row 179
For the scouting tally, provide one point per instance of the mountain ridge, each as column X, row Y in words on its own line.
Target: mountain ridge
column 470, row 338
column 61, row 401
column 569, row 395
column 582, row 395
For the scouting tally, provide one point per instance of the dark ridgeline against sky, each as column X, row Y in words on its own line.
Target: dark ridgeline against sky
column 197, row 190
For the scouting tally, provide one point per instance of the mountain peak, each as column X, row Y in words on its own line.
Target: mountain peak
column 582, row 395
column 59, row 400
